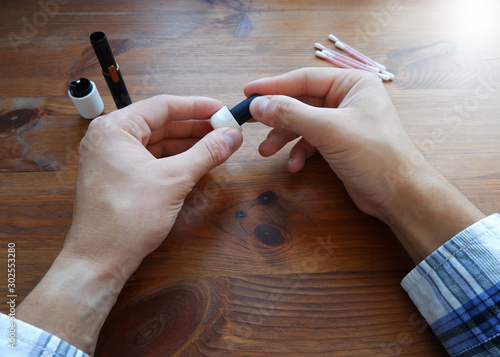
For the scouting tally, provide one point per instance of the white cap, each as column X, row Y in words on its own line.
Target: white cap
column 86, row 98
column 223, row 119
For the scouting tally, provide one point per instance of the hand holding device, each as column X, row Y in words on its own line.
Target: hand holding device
column 137, row 165
column 349, row 118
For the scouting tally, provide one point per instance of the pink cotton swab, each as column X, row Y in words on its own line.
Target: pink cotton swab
column 347, row 60
column 357, row 65
column 363, row 58
column 355, row 53
column 333, row 60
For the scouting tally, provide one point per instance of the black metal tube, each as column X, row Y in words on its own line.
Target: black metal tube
column 241, row 112
column 118, row 90
column 110, row 69
column 102, row 50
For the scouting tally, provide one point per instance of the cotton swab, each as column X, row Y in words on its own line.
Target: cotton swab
column 360, row 61
column 358, row 55
column 332, row 60
column 357, row 65
column 346, row 59
column 355, row 53
column 340, row 62
column 391, row 75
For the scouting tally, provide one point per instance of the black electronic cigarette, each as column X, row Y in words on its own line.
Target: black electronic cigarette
column 235, row 117
column 110, row 69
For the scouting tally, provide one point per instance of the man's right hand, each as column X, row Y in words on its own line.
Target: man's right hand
column 349, row 118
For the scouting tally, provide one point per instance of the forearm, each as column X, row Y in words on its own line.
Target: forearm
column 429, row 211
column 126, row 202
column 73, row 300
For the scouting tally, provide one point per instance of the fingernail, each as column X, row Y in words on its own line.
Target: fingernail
column 259, row 106
column 231, row 136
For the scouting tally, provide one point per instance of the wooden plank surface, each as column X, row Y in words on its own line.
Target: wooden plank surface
column 260, row 262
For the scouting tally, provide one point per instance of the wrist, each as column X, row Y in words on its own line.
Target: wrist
column 102, row 248
column 426, row 210
column 73, row 300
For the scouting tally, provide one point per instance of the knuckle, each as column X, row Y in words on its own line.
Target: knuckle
column 368, row 77
column 94, row 135
column 280, row 108
column 215, row 152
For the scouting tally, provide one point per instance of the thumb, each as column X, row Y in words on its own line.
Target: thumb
column 282, row 112
column 211, row 151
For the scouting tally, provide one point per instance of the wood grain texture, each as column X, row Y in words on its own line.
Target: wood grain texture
column 260, row 262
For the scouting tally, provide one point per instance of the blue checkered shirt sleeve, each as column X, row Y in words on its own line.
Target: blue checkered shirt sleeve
column 457, row 290
column 25, row 340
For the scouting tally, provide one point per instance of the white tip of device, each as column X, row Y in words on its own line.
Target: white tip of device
column 319, row 46
column 224, row 119
column 381, row 66
column 321, row 54
column 333, row 38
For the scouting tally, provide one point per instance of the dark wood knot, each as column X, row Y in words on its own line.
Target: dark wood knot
column 269, row 235
column 157, row 322
column 10, row 121
column 267, row 198
column 240, row 214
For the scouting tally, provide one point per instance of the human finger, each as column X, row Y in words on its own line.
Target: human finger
column 314, row 86
column 275, row 141
column 150, row 115
column 300, row 152
column 180, row 129
column 209, row 152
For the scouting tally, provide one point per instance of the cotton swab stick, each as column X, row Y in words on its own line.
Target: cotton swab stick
column 357, row 65
column 364, row 59
column 354, row 62
column 329, row 58
column 355, row 53
column 333, row 60
column 358, row 55
column 346, row 59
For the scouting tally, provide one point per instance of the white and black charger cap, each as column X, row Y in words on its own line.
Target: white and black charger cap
column 86, row 98
column 233, row 118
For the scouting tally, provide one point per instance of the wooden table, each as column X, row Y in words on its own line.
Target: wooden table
column 260, row 262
